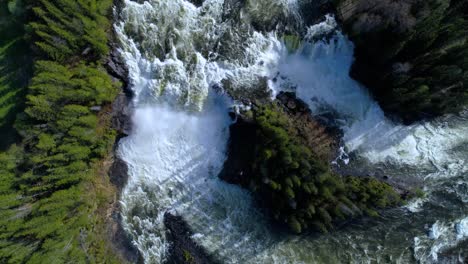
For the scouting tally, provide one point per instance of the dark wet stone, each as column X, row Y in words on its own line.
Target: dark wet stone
column 241, row 149
column 197, row 3
column 183, row 248
column 121, row 114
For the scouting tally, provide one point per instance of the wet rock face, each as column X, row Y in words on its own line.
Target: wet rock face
column 121, row 114
column 197, row 3
column 241, row 149
column 120, row 239
column 183, row 248
column 119, row 173
column 117, row 68
column 121, row 107
column 312, row 11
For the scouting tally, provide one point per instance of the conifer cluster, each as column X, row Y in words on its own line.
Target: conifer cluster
column 15, row 65
column 46, row 214
column 298, row 187
column 413, row 55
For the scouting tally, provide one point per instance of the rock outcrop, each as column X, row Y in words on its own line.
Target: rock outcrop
column 121, row 115
column 118, row 171
column 243, row 137
column 241, row 150
column 183, row 248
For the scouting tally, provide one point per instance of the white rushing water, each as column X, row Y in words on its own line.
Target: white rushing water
column 440, row 236
column 176, row 52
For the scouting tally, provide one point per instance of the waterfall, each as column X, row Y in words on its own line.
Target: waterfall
column 177, row 53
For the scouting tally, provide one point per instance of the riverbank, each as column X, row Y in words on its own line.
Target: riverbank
column 56, row 190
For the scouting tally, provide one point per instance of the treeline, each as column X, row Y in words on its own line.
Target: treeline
column 48, row 192
column 413, row 55
column 298, row 187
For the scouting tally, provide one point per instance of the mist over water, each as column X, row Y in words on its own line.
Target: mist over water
column 177, row 53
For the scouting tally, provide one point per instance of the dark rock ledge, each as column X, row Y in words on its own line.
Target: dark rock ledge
column 183, row 248
column 118, row 174
column 120, row 241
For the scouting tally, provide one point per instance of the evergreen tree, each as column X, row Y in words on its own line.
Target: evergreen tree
column 298, row 187
column 412, row 54
column 47, row 213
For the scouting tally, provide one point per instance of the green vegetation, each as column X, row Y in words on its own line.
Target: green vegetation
column 412, row 54
column 188, row 257
column 298, row 187
column 292, row 42
column 419, row 193
column 15, row 66
column 52, row 184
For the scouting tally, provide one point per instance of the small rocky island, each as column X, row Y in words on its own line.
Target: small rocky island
column 281, row 153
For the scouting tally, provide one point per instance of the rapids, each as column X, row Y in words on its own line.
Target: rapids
column 177, row 53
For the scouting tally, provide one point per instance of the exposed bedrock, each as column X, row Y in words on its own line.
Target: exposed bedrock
column 183, row 248
column 118, row 171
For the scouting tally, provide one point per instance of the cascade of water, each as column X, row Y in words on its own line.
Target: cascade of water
column 176, row 52
column 177, row 146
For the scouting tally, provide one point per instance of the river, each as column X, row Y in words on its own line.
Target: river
column 179, row 55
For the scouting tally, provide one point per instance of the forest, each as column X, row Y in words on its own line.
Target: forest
column 55, row 95
column 413, row 55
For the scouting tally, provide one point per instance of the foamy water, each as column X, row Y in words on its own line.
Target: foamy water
column 177, row 52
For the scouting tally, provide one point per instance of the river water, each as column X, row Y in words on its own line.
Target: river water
column 179, row 55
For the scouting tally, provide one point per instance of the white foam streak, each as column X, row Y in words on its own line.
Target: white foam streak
column 441, row 236
column 159, row 40
column 170, row 155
